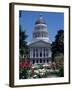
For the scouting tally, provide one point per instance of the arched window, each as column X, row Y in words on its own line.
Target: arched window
column 40, row 60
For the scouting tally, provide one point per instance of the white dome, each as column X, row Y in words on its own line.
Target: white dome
column 40, row 29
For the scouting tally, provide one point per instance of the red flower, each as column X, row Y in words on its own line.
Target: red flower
column 25, row 64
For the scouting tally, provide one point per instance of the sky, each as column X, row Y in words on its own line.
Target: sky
column 54, row 21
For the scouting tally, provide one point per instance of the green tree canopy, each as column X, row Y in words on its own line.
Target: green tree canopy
column 58, row 44
column 22, row 42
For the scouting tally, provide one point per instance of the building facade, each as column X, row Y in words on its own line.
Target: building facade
column 40, row 46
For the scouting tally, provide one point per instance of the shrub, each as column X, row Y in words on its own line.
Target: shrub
column 25, row 66
column 61, row 72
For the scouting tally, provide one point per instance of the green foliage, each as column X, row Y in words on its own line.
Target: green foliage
column 58, row 52
column 23, row 48
column 58, row 44
column 59, row 60
column 61, row 72
column 23, row 74
column 23, row 52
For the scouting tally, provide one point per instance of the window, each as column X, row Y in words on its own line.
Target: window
column 33, row 52
column 37, row 61
column 33, row 61
column 44, row 60
column 36, row 52
column 40, row 60
column 42, row 34
column 33, row 35
column 37, row 34
column 40, row 52
column 47, row 60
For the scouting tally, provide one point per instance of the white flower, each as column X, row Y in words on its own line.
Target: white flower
column 44, row 65
column 32, row 67
column 41, row 74
column 40, row 70
column 35, row 76
column 43, row 70
column 36, row 71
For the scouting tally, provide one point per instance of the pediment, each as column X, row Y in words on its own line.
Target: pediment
column 40, row 44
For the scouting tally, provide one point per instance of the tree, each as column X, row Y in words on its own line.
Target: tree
column 23, row 51
column 23, row 48
column 58, row 44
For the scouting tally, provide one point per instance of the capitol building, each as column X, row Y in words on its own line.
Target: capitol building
column 40, row 45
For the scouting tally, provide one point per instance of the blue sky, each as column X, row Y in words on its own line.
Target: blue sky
column 54, row 21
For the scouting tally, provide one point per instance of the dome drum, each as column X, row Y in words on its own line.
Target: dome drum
column 40, row 34
column 40, row 27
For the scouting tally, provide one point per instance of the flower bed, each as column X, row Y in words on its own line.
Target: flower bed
column 27, row 70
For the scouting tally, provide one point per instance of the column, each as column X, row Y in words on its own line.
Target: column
column 39, row 60
column 42, row 52
column 42, row 60
column 35, row 61
column 35, row 52
column 38, row 52
column 45, row 60
column 45, row 52
column 31, row 52
column 50, row 53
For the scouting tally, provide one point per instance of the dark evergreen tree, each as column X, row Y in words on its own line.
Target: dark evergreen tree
column 22, row 42
column 58, row 44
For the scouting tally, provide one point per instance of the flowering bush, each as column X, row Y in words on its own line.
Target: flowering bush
column 28, row 71
column 25, row 66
